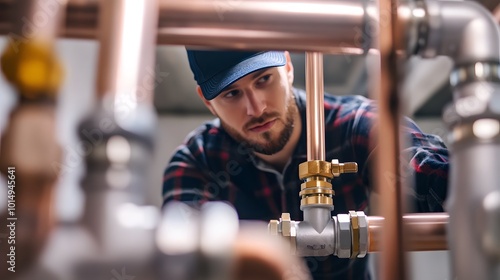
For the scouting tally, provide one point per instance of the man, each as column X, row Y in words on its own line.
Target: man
column 250, row 154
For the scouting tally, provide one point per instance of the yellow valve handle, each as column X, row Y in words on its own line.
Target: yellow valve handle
column 33, row 68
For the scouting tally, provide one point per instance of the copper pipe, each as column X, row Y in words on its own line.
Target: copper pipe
column 252, row 260
column 388, row 177
column 294, row 25
column 126, row 58
column 33, row 19
column 425, row 232
column 323, row 26
column 315, row 112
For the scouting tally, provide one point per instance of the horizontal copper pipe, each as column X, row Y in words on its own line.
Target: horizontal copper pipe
column 425, row 232
column 338, row 26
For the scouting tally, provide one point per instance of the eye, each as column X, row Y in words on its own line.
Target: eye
column 231, row 94
column 264, row 79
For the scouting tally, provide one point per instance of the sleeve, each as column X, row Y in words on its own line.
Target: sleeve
column 427, row 158
column 184, row 179
column 424, row 159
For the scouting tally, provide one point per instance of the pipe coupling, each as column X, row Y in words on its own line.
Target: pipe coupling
column 316, row 189
column 475, row 72
column 349, row 239
column 351, row 231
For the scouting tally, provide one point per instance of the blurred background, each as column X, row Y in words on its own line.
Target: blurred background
column 179, row 110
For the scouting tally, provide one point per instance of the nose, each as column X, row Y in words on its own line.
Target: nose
column 256, row 103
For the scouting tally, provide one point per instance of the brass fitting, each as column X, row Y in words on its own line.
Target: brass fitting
column 33, row 68
column 346, row 167
column 316, row 188
column 351, row 235
column 354, row 233
column 315, row 168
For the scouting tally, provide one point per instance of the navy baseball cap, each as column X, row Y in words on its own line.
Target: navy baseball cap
column 216, row 70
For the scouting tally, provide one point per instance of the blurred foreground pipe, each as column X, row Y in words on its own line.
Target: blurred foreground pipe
column 30, row 156
column 295, row 25
column 387, row 165
column 126, row 60
column 467, row 32
column 425, row 232
column 115, row 212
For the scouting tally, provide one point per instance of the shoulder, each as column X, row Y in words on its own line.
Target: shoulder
column 209, row 135
column 348, row 103
column 206, row 132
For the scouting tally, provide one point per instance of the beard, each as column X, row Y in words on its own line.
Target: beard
column 269, row 146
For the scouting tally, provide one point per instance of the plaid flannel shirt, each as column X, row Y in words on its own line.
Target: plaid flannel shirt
column 210, row 165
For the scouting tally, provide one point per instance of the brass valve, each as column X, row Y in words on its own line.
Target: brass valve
column 316, row 188
column 33, row 68
column 340, row 168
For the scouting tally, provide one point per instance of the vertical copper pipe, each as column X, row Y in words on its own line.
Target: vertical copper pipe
column 392, row 262
column 425, row 231
column 35, row 20
column 126, row 60
column 315, row 113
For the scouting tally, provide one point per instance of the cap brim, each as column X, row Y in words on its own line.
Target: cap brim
column 212, row 87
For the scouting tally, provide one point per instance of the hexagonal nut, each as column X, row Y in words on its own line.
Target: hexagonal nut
column 315, row 168
column 335, row 168
column 353, row 215
column 327, row 190
column 363, row 234
column 289, row 231
column 316, row 184
column 286, row 224
column 343, row 236
column 272, row 227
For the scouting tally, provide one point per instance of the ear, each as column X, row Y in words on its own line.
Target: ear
column 205, row 101
column 289, row 67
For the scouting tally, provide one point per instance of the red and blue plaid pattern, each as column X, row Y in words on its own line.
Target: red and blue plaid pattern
column 210, row 165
